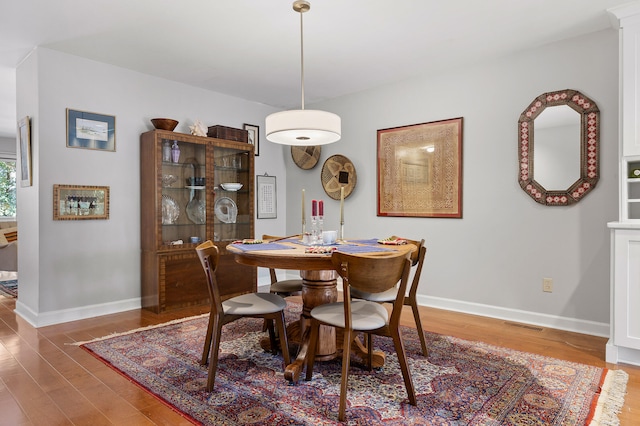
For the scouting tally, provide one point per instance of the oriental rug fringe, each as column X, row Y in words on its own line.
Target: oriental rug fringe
column 460, row 383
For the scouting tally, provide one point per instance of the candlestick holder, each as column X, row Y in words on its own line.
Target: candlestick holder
column 314, row 230
column 320, row 227
column 341, row 236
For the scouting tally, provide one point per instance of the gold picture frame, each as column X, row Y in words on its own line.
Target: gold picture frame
column 80, row 202
column 420, row 170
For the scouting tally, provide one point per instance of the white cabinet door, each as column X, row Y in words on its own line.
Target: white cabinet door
column 626, row 288
column 629, row 22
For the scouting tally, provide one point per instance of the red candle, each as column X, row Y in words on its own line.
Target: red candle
column 321, row 208
column 314, row 207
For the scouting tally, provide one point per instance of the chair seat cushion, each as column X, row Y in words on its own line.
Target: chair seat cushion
column 385, row 296
column 364, row 315
column 286, row 286
column 254, row 304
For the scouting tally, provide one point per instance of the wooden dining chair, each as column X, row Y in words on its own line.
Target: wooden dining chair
column 389, row 296
column 372, row 274
column 256, row 305
column 283, row 288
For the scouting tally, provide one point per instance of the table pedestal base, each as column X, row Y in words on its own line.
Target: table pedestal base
column 319, row 288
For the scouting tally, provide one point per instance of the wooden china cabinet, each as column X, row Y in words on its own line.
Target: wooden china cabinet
column 186, row 199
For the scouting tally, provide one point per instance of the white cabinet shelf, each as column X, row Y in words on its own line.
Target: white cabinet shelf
column 629, row 190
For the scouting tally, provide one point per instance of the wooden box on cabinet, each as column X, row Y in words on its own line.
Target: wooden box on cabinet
column 176, row 207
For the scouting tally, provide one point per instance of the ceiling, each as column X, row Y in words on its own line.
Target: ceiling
column 251, row 48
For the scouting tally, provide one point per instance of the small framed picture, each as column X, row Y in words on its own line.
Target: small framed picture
column 254, row 137
column 24, row 139
column 267, row 197
column 78, row 202
column 91, row 130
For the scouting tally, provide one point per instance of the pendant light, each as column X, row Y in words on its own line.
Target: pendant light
column 304, row 127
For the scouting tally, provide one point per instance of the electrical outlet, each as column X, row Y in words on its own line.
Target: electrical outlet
column 547, row 285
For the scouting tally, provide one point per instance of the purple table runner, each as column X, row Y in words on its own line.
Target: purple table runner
column 371, row 241
column 361, row 249
column 262, row 246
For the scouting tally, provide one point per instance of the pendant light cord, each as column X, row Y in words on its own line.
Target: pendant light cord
column 301, row 59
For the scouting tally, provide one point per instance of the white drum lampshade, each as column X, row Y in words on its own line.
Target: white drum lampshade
column 303, row 127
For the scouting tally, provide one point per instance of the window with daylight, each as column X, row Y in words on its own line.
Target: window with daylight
column 7, row 188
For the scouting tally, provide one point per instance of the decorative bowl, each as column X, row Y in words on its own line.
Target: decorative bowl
column 168, row 180
column 164, row 123
column 231, row 186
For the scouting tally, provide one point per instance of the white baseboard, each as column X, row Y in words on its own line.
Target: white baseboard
column 66, row 315
column 535, row 318
column 562, row 323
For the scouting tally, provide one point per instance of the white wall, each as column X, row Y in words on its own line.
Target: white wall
column 8, row 146
column 76, row 269
column 491, row 261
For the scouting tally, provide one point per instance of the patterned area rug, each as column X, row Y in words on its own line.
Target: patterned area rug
column 9, row 288
column 459, row 383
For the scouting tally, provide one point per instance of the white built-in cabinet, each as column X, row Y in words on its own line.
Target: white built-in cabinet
column 624, row 341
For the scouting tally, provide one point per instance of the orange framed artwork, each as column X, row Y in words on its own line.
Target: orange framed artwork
column 420, row 170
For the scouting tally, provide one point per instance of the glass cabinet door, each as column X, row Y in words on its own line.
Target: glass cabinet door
column 184, row 192
column 232, row 196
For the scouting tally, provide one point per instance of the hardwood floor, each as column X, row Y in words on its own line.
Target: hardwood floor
column 46, row 381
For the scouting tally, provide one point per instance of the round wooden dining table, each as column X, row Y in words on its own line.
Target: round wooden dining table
column 319, row 286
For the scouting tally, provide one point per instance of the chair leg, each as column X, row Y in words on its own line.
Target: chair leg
column 404, row 365
column 416, row 315
column 215, row 349
column 207, row 340
column 272, row 336
column 346, row 357
column 284, row 344
column 314, row 331
column 369, row 351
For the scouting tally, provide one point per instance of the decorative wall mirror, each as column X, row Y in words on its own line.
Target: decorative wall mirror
column 559, row 134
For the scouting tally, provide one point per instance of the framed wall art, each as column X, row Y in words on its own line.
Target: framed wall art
column 91, row 130
column 267, row 196
column 78, row 202
column 420, row 170
column 24, row 142
column 254, row 137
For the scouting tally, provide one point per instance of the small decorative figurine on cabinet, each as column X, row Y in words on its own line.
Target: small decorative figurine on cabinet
column 166, row 152
column 175, row 152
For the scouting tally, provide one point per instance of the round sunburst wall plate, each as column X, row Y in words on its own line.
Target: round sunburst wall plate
column 305, row 157
column 338, row 171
